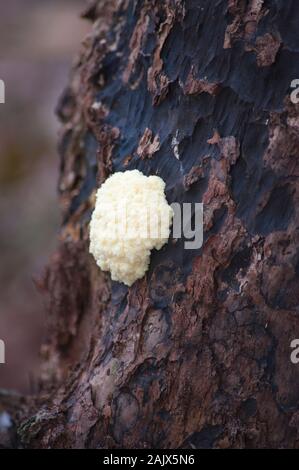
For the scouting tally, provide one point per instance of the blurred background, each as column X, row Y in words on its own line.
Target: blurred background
column 38, row 42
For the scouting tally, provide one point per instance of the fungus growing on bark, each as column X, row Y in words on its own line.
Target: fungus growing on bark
column 131, row 217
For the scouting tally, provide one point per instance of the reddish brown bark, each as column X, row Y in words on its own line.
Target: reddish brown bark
column 198, row 352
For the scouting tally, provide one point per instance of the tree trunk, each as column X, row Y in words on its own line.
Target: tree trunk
column 197, row 353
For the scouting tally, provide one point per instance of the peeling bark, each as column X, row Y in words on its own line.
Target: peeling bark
column 148, row 145
column 196, row 354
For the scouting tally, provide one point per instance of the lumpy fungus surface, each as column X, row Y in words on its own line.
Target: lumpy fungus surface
column 130, row 218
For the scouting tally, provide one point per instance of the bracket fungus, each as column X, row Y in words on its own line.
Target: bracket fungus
column 130, row 218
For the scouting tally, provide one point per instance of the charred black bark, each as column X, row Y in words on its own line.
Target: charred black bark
column 198, row 352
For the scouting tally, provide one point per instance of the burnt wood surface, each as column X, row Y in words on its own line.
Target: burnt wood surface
column 197, row 353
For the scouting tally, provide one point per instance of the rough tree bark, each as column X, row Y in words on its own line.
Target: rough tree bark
column 196, row 354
